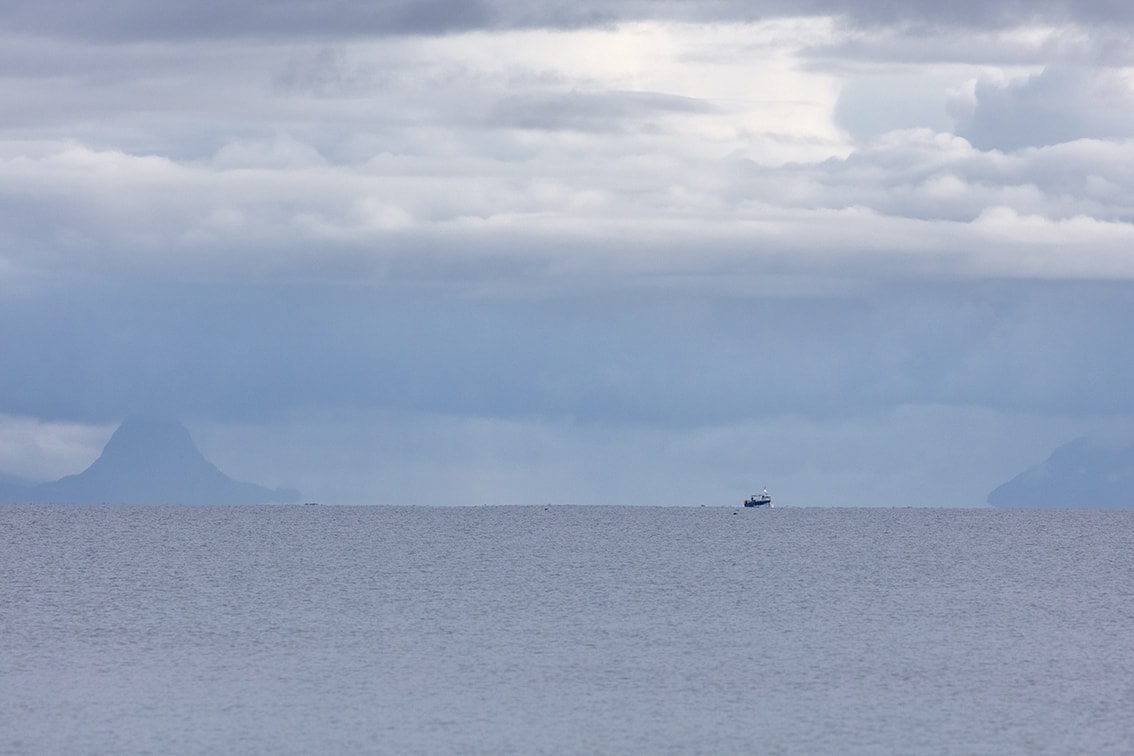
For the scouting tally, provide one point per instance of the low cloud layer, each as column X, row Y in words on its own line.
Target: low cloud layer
column 639, row 357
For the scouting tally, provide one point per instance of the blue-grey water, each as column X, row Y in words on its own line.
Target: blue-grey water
column 570, row 630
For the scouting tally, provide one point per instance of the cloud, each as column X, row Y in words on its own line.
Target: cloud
column 1060, row 104
column 184, row 19
column 40, row 451
column 284, row 152
column 909, row 203
column 647, row 357
column 659, row 150
column 585, row 111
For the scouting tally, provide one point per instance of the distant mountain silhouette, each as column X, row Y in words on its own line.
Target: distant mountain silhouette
column 1077, row 475
column 149, row 461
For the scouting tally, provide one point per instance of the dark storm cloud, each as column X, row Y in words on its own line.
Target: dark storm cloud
column 620, row 358
column 139, row 19
column 176, row 19
column 976, row 13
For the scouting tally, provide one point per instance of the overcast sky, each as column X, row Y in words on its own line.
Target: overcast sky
column 626, row 252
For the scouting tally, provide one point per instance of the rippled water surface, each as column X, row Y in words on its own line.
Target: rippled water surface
column 620, row 630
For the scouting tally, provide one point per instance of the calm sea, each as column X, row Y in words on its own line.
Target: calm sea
column 570, row 630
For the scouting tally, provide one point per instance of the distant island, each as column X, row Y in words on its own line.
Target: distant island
column 1078, row 475
column 147, row 461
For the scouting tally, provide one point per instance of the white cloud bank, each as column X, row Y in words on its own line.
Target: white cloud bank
column 658, row 147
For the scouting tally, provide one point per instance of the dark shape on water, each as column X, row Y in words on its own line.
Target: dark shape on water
column 153, row 461
column 759, row 500
column 1077, row 475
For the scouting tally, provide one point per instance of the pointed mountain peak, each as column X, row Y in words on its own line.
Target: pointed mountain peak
column 153, row 460
column 137, row 435
column 151, row 442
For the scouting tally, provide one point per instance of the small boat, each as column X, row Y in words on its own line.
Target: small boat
column 759, row 500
